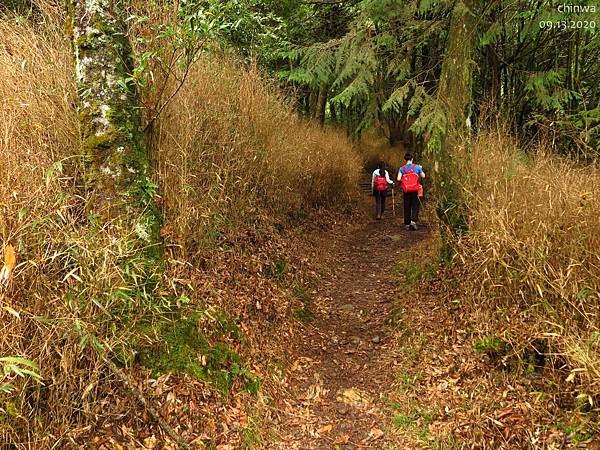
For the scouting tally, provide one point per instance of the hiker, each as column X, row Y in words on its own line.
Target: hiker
column 410, row 175
column 379, row 184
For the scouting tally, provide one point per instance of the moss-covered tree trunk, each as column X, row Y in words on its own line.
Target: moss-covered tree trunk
column 117, row 160
column 454, row 96
column 116, row 156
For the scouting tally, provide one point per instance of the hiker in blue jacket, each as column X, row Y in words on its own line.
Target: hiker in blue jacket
column 379, row 183
column 410, row 176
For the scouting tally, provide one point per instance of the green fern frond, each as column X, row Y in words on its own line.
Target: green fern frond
column 431, row 124
column 490, row 36
column 396, row 100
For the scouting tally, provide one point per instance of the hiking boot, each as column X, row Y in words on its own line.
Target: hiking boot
column 413, row 226
column 408, row 228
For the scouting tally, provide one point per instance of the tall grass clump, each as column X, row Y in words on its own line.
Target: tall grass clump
column 531, row 257
column 233, row 154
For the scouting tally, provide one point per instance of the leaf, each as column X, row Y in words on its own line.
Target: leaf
column 23, row 372
column 4, row 274
column 23, row 212
column 45, row 320
column 57, row 167
column 19, row 360
column 10, row 257
column 10, row 261
column 10, row 364
column 7, row 388
column 166, row 231
column 12, row 311
column 375, row 433
column 352, row 397
column 343, row 439
column 326, row 429
column 574, row 373
column 84, row 340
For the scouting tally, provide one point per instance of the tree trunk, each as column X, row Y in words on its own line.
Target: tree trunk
column 454, row 94
column 312, row 103
column 396, row 132
column 495, row 75
column 113, row 141
column 321, row 104
column 306, row 95
column 333, row 112
column 494, row 64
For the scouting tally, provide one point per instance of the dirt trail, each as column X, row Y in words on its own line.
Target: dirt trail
column 342, row 370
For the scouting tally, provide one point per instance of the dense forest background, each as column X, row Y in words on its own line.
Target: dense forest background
column 365, row 64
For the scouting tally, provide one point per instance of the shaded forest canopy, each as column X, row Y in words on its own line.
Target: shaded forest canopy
column 364, row 64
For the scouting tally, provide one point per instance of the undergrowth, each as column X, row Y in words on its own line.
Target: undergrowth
column 518, row 357
column 530, row 261
column 504, row 339
column 237, row 173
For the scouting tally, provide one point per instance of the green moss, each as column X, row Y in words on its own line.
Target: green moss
column 577, row 432
column 491, row 345
column 180, row 346
column 303, row 314
column 86, row 42
column 277, row 270
column 100, row 23
column 227, row 326
column 93, row 142
column 416, row 272
column 251, row 434
column 301, row 293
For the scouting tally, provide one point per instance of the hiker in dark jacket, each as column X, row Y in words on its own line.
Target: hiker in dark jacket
column 410, row 176
column 379, row 183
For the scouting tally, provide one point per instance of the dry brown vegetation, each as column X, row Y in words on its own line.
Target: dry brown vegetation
column 532, row 253
column 526, row 279
column 500, row 348
column 515, row 364
column 231, row 148
column 238, row 173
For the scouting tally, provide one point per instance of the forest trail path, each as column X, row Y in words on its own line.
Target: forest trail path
column 342, row 369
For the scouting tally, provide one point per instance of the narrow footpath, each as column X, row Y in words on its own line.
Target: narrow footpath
column 342, row 370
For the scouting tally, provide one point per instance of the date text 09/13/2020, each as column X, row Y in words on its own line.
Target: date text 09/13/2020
column 567, row 24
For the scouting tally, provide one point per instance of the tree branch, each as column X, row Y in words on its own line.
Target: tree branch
column 131, row 387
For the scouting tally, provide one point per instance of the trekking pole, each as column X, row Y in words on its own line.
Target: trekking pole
column 393, row 202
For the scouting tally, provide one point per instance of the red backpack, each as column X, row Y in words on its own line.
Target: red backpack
column 410, row 180
column 380, row 183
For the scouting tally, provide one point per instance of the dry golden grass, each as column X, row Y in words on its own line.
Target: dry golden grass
column 38, row 141
column 232, row 152
column 532, row 253
column 38, row 126
column 231, row 156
